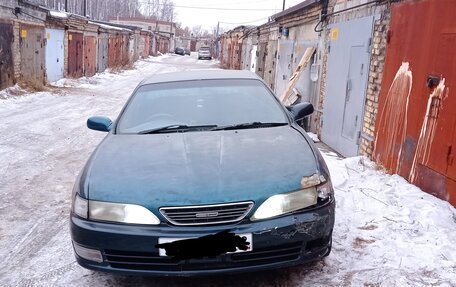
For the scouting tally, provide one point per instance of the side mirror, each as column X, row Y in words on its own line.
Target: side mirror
column 102, row 124
column 301, row 110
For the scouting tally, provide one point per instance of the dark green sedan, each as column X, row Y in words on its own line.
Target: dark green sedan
column 203, row 172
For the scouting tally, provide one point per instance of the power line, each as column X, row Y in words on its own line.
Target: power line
column 224, row 9
column 215, row 8
column 264, row 18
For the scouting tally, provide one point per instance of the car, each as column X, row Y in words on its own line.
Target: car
column 187, row 51
column 203, row 172
column 179, row 51
column 204, row 53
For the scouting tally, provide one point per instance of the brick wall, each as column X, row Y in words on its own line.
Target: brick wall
column 65, row 53
column 15, row 48
column 316, row 123
column 378, row 55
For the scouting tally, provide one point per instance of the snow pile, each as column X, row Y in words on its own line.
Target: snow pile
column 15, row 90
column 162, row 57
column 58, row 14
column 314, row 137
column 388, row 231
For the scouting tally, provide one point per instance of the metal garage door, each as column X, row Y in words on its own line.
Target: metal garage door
column 102, row 59
column 32, row 54
column 54, row 54
column 348, row 70
column 90, row 55
column 75, row 54
column 284, row 59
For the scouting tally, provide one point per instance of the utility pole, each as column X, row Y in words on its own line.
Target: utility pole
column 283, row 7
column 85, row 8
column 66, row 5
column 216, row 43
column 173, row 33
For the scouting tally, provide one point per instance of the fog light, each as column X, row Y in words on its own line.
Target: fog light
column 87, row 253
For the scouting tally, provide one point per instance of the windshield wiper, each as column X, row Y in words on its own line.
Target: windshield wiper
column 176, row 128
column 251, row 125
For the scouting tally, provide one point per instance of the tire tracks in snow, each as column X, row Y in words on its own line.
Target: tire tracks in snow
column 44, row 278
column 39, row 235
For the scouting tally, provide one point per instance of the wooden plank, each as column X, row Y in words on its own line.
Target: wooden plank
column 302, row 65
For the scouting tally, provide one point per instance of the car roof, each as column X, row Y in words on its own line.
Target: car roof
column 197, row 75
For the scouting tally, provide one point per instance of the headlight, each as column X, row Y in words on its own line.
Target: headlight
column 118, row 212
column 80, row 206
column 284, row 203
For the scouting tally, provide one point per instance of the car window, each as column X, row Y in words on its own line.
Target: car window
column 203, row 102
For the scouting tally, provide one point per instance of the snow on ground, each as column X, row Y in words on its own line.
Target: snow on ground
column 15, row 90
column 314, row 137
column 387, row 232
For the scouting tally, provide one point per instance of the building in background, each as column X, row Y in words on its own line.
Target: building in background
column 163, row 31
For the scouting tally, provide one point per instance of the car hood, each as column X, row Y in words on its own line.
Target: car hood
column 192, row 168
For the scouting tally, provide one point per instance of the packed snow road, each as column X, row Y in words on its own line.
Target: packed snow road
column 387, row 232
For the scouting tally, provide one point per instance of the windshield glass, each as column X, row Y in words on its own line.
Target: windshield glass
column 206, row 102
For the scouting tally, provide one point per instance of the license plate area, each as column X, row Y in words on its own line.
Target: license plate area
column 162, row 240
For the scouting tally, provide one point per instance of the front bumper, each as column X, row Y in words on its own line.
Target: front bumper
column 281, row 242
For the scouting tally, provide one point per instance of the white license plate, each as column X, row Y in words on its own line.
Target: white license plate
column 162, row 251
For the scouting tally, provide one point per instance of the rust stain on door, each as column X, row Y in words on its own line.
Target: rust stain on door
column 75, row 55
column 415, row 134
column 90, row 55
column 114, row 51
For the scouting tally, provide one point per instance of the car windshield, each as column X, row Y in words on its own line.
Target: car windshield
column 200, row 103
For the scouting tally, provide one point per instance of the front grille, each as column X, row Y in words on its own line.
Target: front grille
column 152, row 261
column 207, row 214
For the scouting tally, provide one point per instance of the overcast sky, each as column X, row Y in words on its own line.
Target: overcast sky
column 228, row 18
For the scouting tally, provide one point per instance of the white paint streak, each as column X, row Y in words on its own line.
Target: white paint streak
column 428, row 128
column 393, row 118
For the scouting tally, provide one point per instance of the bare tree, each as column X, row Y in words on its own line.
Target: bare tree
column 197, row 31
column 107, row 9
column 159, row 9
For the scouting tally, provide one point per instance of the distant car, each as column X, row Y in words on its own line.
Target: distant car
column 179, row 51
column 204, row 53
column 203, row 172
column 187, row 51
